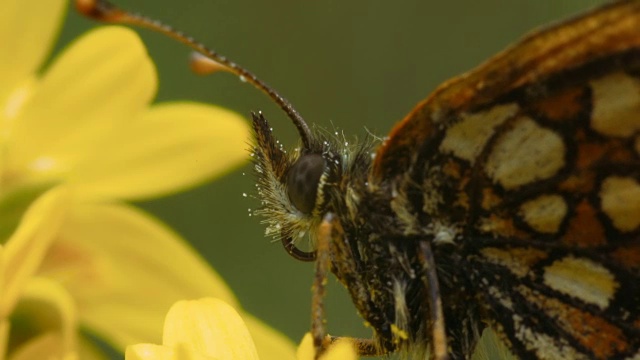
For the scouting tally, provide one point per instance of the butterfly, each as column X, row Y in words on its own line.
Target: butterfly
column 508, row 199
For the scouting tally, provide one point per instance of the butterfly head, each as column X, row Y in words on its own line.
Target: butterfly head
column 292, row 185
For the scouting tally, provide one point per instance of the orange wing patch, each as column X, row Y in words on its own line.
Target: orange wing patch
column 564, row 106
column 628, row 256
column 585, row 229
column 603, row 338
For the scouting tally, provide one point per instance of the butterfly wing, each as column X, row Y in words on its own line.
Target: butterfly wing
column 532, row 161
column 546, row 181
column 555, row 302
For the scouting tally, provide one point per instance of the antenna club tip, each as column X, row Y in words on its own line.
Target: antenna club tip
column 98, row 9
column 203, row 65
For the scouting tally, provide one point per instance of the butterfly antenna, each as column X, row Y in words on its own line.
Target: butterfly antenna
column 104, row 11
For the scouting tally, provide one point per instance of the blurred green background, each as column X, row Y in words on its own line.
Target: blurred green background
column 350, row 65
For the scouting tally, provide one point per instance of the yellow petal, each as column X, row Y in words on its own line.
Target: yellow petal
column 49, row 308
column 45, row 346
column 161, row 352
column 342, row 350
column 26, row 248
column 172, row 147
column 14, row 104
column 270, row 343
column 4, row 337
column 209, row 327
column 306, row 350
column 103, row 80
column 3, row 266
column 125, row 270
column 149, row 352
column 14, row 203
column 27, row 30
column 88, row 350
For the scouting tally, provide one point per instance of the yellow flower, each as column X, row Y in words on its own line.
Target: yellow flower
column 56, row 331
column 211, row 329
column 75, row 141
column 342, row 350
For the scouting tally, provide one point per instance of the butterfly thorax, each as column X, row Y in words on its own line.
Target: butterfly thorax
column 374, row 254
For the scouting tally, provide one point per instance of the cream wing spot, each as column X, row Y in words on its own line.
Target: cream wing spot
column 545, row 213
column 467, row 138
column 525, row 153
column 620, row 198
column 616, row 105
column 583, row 279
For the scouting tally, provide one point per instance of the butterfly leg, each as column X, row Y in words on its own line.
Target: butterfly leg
column 364, row 347
column 430, row 279
column 323, row 267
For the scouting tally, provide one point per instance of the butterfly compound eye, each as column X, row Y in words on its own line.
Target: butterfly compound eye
column 302, row 182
